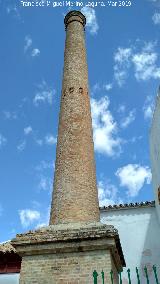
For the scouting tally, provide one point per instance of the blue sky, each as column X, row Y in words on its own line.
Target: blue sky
column 124, row 71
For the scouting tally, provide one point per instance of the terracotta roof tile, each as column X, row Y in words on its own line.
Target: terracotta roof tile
column 6, row 247
column 129, row 205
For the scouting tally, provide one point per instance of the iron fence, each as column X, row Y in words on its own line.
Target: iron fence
column 100, row 277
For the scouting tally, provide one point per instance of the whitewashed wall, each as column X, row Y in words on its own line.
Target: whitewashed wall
column 155, row 152
column 11, row 278
column 139, row 233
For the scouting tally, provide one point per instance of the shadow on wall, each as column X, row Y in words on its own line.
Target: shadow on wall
column 151, row 250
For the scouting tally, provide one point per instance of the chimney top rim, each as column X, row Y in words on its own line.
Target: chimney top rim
column 74, row 13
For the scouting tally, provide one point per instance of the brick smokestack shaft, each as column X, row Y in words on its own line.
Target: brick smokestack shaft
column 75, row 197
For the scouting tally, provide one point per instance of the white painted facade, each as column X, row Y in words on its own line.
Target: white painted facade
column 139, row 233
column 155, row 151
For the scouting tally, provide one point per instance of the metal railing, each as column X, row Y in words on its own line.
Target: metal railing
column 100, row 277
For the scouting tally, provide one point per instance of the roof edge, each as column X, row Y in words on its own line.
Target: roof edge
column 131, row 205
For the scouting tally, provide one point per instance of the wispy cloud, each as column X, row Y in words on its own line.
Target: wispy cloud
column 101, row 87
column 148, row 107
column 44, row 220
column 50, row 139
column 91, row 20
column 45, row 183
column 44, row 165
column 105, row 136
column 27, row 43
column 133, row 177
column 128, row 119
column 44, row 94
column 143, row 63
column 121, row 108
column 28, row 217
column 28, row 47
column 28, row 130
column 35, row 52
column 12, row 10
column 21, row 146
column 10, row 115
column 3, row 140
column 156, row 18
column 107, row 194
column 122, row 63
column 108, row 87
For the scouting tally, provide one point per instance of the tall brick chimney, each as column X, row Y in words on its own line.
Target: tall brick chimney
column 75, row 197
column 76, row 242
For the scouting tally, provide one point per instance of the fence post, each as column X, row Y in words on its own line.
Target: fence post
column 95, row 276
column 129, row 278
column 120, row 278
column 137, row 275
column 102, row 273
column 146, row 273
column 111, row 273
column 155, row 274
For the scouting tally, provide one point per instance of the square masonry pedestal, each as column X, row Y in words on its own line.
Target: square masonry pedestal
column 69, row 253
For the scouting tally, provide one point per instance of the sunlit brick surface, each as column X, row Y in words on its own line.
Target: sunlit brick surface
column 75, row 195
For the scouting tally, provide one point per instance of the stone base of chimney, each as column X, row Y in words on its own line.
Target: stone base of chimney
column 69, row 253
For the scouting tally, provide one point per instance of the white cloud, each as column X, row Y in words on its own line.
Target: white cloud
column 108, row 194
column 143, row 63
column 44, row 220
column 91, row 19
column 156, row 18
column 39, row 142
column 122, row 56
column 45, row 183
column 27, row 130
column 28, row 217
column 50, row 139
column 28, row 47
column 28, row 43
column 3, row 140
column 104, row 128
column 122, row 62
column 13, row 10
column 45, row 165
column 145, row 66
column 121, row 108
column 35, row 52
column 44, row 94
column 9, row 115
column 97, row 87
column 148, row 107
column 21, row 146
column 108, row 87
column 133, row 177
column 128, row 119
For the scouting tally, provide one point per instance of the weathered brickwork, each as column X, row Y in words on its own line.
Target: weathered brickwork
column 75, row 196
column 68, row 268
